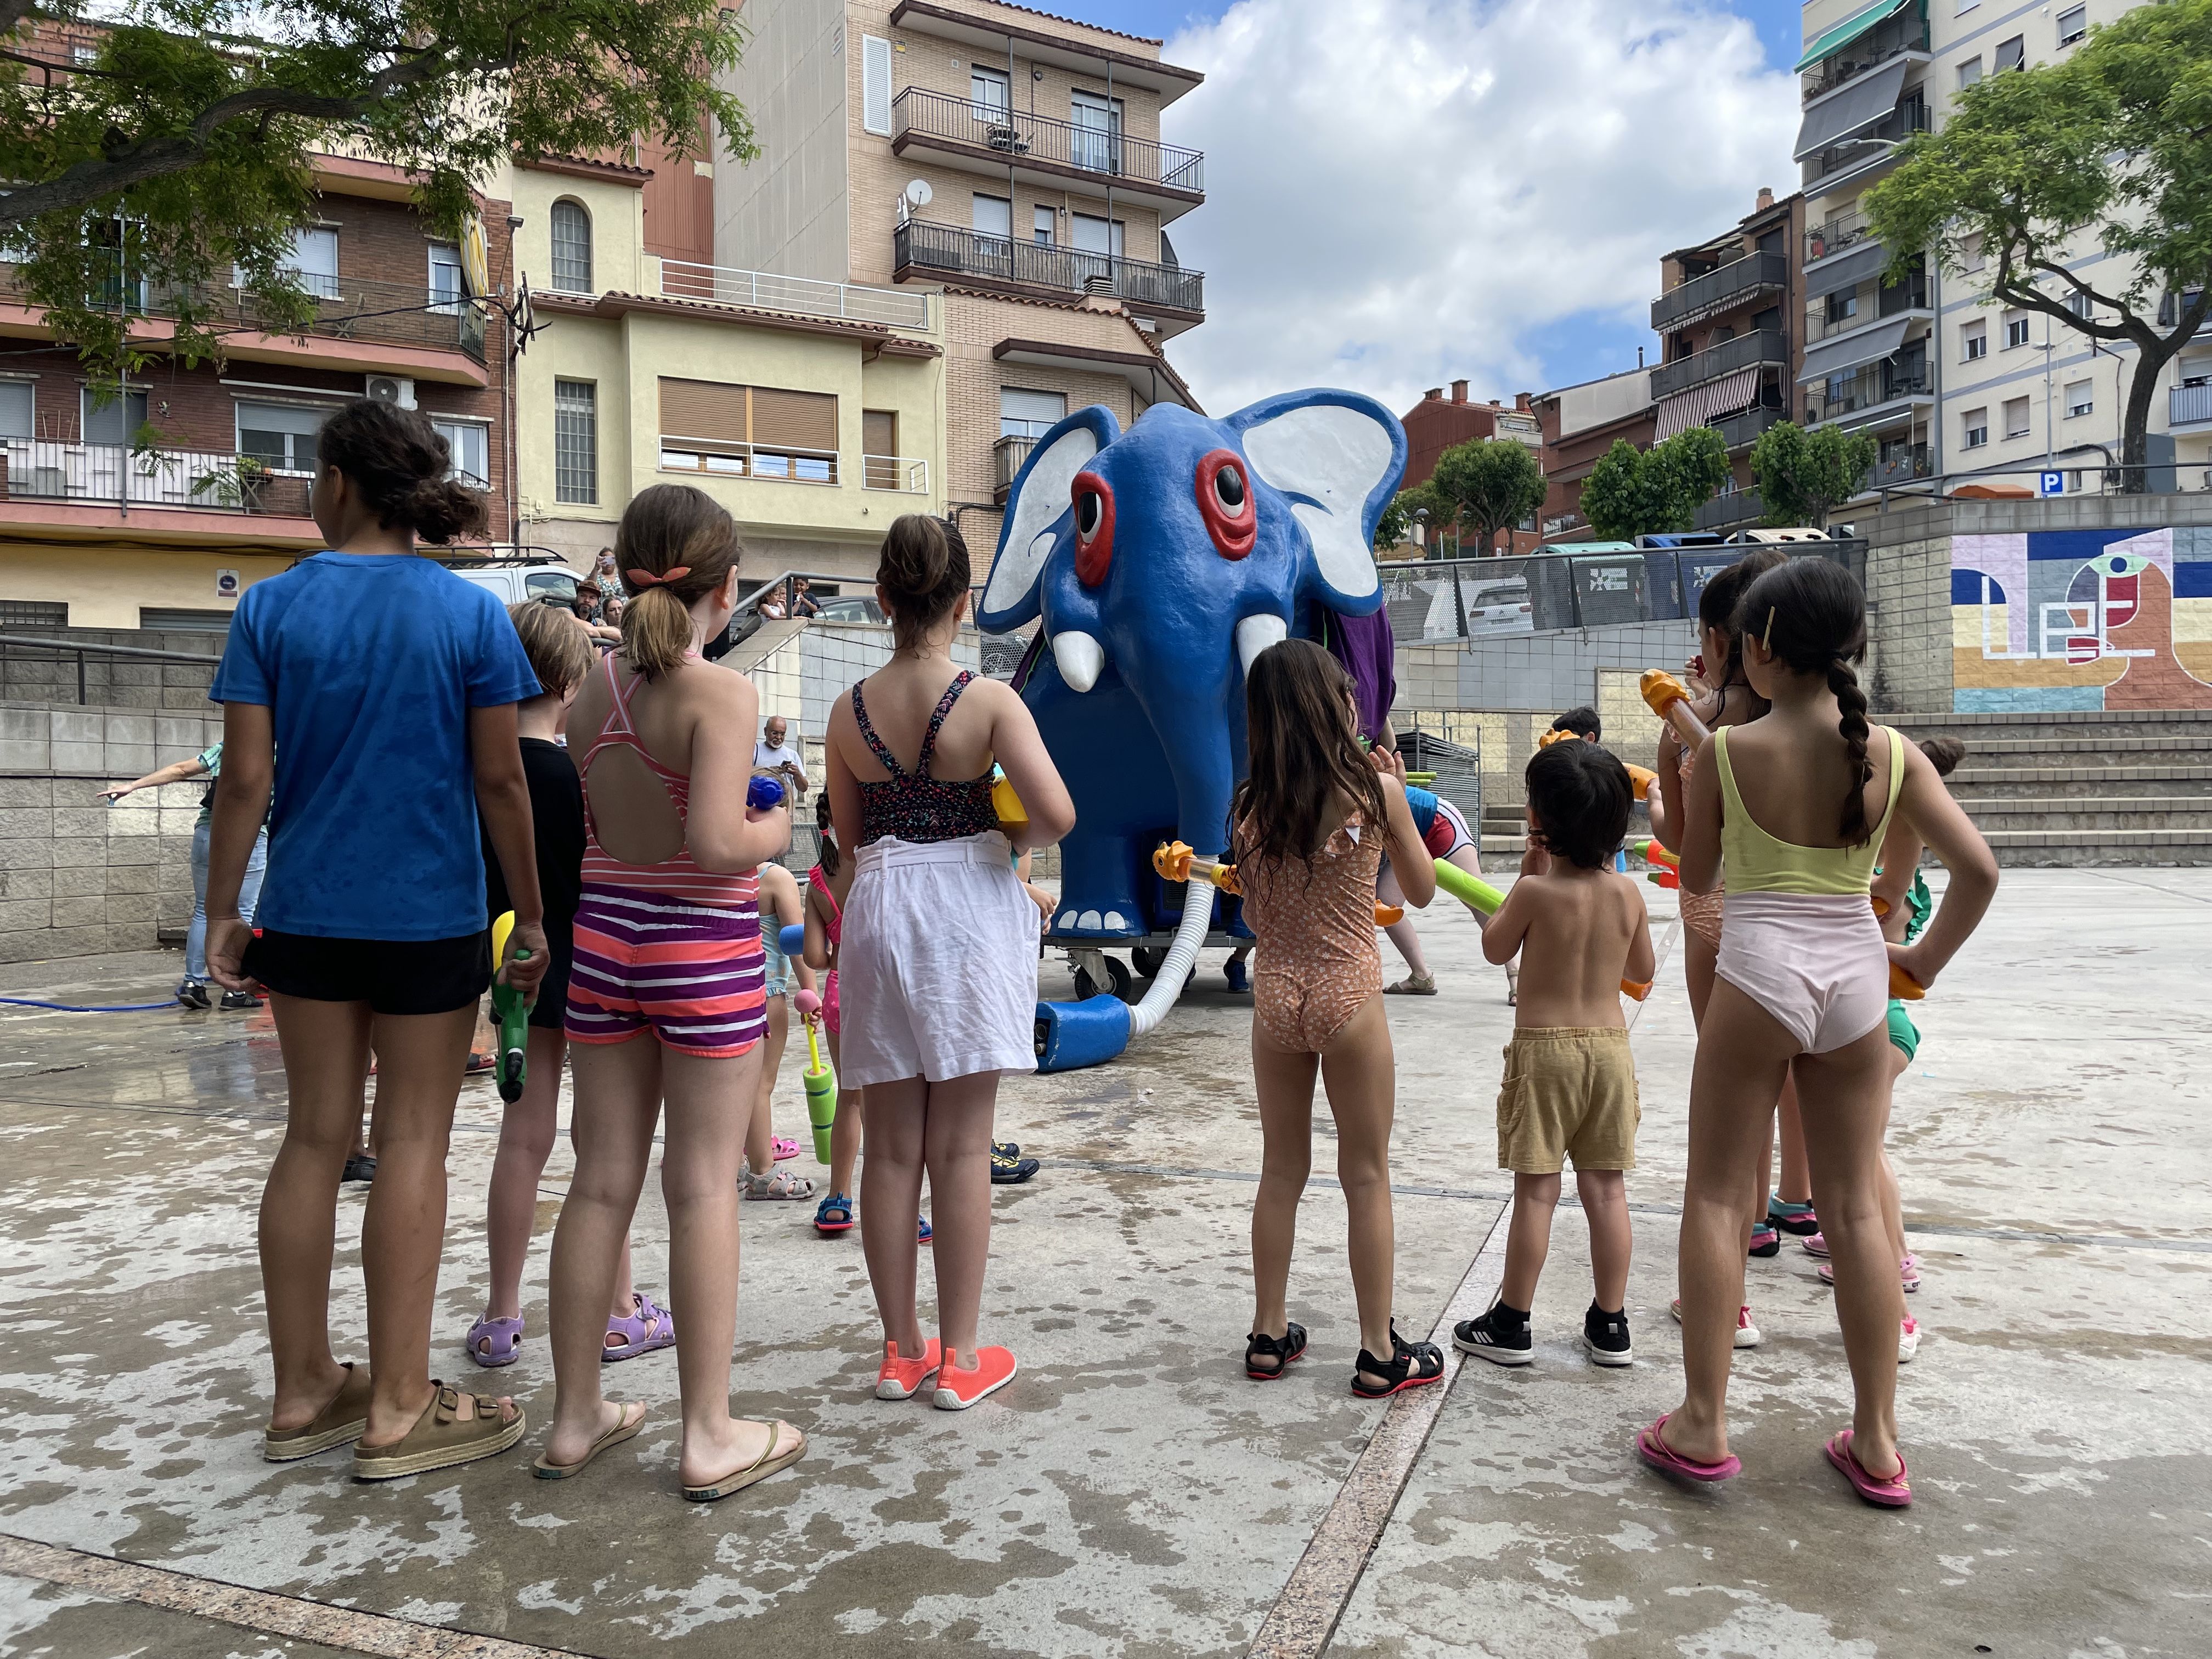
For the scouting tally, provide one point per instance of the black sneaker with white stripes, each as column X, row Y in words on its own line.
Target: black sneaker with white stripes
column 1606, row 1336
column 1501, row 1336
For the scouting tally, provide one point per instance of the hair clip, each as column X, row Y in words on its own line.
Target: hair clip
column 646, row 579
column 1769, row 634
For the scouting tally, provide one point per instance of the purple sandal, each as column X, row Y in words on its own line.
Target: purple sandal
column 503, row 1337
column 648, row 1329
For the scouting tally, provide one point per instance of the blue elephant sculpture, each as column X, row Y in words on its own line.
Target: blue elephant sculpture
column 1162, row 561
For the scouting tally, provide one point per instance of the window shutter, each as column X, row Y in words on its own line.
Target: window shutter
column 876, row 85
column 702, row 409
column 794, row 419
column 879, row 431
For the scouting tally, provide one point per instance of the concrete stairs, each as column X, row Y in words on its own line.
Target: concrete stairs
column 2124, row 787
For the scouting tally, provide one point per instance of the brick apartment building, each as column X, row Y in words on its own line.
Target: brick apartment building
column 93, row 535
column 1579, row 423
column 1436, row 422
column 1730, row 347
column 1012, row 159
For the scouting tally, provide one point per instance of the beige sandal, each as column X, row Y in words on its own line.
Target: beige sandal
column 770, row 1462
column 336, row 1424
column 625, row 1426
column 455, row 1427
column 1413, row 985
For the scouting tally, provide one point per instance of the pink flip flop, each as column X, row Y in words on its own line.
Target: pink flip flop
column 1891, row 1493
column 1652, row 1447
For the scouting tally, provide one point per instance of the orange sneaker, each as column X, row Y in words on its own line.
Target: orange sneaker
column 958, row 1390
column 902, row 1379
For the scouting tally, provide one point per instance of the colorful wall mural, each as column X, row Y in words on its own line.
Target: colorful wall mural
column 2053, row 620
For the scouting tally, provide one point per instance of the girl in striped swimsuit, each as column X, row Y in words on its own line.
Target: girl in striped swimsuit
column 667, row 948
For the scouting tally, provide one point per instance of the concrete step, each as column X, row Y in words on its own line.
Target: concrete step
column 1971, row 783
column 2075, row 849
column 2159, row 726
column 2065, row 814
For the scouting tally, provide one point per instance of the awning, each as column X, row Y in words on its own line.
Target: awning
column 1868, row 345
column 1828, row 44
column 1847, row 269
column 1698, row 406
column 1852, row 107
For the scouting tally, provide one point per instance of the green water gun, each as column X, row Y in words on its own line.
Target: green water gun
column 1480, row 896
column 513, row 1012
column 821, row 1080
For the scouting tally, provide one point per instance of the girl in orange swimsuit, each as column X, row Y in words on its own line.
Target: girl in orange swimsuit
column 1311, row 824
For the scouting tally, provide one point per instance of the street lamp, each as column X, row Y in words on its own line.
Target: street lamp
column 1421, row 530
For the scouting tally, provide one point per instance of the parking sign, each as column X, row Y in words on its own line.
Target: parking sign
column 2051, row 483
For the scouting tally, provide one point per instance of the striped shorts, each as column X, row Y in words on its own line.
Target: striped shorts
column 693, row 974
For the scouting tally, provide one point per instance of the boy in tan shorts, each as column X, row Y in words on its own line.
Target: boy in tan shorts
column 1570, row 1087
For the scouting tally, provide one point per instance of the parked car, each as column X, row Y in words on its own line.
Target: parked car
column 1775, row 537
column 849, row 608
column 1493, row 607
column 516, row 580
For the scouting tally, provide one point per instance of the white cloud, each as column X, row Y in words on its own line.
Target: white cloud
column 1401, row 192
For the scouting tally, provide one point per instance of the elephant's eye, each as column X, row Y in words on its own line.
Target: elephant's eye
column 1093, row 499
column 1224, row 501
column 1090, row 514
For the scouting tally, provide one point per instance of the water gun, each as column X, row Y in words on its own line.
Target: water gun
column 1175, row 861
column 1902, row 985
column 1666, row 868
column 1640, row 779
column 1666, row 698
column 820, row 1079
column 1480, row 896
column 512, row 1013
column 792, row 941
column 763, row 795
column 1005, row 802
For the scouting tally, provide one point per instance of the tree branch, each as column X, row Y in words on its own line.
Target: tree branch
column 13, row 12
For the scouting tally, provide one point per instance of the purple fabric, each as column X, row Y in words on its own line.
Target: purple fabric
column 1364, row 646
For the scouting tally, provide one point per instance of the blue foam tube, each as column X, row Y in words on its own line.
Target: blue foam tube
column 1074, row 1035
column 792, row 940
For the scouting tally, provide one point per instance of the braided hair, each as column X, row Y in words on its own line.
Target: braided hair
column 1810, row 615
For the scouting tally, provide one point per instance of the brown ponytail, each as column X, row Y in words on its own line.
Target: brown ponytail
column 826, row 856
column 923, row 570
column 675, row 546
column 1811, row 615
column 403, row 469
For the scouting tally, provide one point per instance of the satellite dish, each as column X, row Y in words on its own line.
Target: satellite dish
column 917, row 192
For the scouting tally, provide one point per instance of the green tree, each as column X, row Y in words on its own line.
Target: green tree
column 2110, row 149
column 1488, row 484
column 1631, row 492
column 178, row 149
column 1804, row 475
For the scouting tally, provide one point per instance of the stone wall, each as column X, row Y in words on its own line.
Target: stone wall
column 78, row 877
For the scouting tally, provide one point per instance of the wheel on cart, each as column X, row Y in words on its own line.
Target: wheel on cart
column 1118, row 977
column 1147, row 958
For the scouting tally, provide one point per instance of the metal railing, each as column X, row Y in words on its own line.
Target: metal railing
column 1870, row 150
column 1901, row 465
column 1744, row 427
column 1890, row 300
column 800, row 296
column 1907, row 31
column 1845, row 230
column 1871, row 387
column 2186, row 403
column 1739, row 507
column 984, row 127
column 39, row 469
column 13, row 642
column 924, row 249
column 784, row 463
column 1717, row 289
column 1008, row 456
column 1761, row 345
column 902, row 473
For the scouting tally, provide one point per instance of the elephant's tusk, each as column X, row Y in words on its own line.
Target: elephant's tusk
column 1256, row 634
column 1080, row 658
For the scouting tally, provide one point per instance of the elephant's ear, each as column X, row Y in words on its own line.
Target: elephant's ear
column 1338, row 457
column 1040, row 516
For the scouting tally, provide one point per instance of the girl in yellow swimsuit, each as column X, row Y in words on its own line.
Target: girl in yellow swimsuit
column 1311, row 824
column 1797, row 803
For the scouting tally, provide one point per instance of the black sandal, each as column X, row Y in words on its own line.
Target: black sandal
column 1411, row 1365
column 1290, row 1346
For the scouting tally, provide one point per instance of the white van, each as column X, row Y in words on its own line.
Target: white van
column 1775, row 538
column 515, row 577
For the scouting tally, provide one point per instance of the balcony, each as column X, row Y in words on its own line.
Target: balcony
column 983, row 137
column 1732, row 285
column 1764, row 345
column 901, row 473
column 2188, row 405
column 1845, row 230
column 1890, row 300
column 943, row 252
column 107, row 475
column 1858, row 159
column 1901, row 463
column 1741, row 429
column 2170, row 304
column 782, row 462
column 1871, row 389
column 1893, row 38
column 798, row 296
column 1739, row 507
column 403, row 315
column 1008, row 456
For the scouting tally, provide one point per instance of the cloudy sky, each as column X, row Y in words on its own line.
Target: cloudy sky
column 1405, row 192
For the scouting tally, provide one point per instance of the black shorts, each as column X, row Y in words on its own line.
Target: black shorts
column 392, row 976
column 550, row 1012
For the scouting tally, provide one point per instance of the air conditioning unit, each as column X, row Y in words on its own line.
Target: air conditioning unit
column 392, row 389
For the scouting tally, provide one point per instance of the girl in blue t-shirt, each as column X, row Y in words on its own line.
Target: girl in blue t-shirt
column 390, row 685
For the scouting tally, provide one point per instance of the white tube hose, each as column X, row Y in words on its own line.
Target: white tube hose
column 1167, row 984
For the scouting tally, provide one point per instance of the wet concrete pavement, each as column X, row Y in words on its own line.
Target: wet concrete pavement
column 1132, row 1494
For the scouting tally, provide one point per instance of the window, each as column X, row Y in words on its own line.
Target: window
column 470, row 442
column 2015, row 418
column 2080, row 399
column 1047, row 224
column 575, row 442
column 880, row 466
column 572, row 247
column 992, row 216
column 2015, row 330
column 1843, row 306
column 313, row 259
column 1977, row 424
column 1973, row 342
column 2012, row 54
column 1972, row 255
column 2196, row 371
column 281, row 436
column 115, row 421
column 1094, row 235
column 988, row 91
column 1029, row 414
column 551, row 587
column 447, row 288
column 876, row 85
column 748, row 431
column 1969, row 72
column 2081, row 305
column 2073, row 24
column 1097, row 141
column 17, row 404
